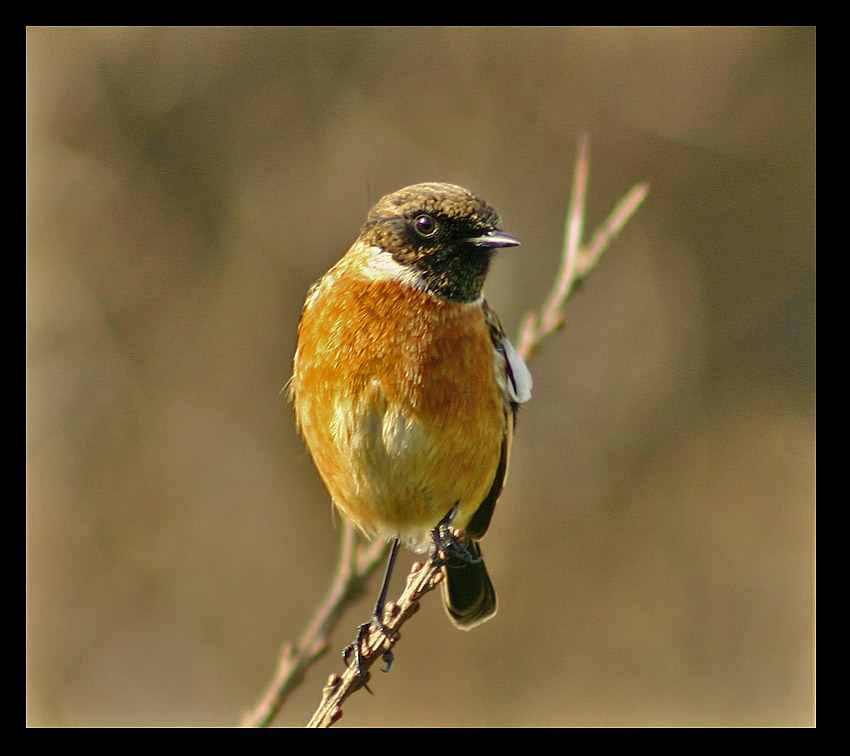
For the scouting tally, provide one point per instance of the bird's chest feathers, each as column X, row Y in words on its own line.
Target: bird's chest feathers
column 405, row 380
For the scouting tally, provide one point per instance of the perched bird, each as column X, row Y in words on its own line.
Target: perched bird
column 405, row 388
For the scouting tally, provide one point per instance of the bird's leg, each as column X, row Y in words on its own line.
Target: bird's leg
column 452, row 542
column 377, row 620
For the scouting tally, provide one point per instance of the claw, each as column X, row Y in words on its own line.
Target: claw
column 357, row 649
column 451, row 542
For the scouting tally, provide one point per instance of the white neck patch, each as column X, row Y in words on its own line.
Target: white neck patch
column 381, row 266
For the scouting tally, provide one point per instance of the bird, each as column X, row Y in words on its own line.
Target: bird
column 405, row 388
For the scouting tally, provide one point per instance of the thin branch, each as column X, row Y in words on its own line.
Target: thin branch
column 576, row 260
column 423, row 578
column 358, row 560
column 356, row 563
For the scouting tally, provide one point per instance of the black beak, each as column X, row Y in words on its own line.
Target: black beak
column 495, row 239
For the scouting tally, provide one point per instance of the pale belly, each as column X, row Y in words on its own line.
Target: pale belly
column 403, row 476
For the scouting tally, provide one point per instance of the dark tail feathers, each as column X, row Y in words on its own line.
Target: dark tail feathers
column 467, row 591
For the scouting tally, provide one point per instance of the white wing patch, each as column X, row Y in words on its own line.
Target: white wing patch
column 519, row 377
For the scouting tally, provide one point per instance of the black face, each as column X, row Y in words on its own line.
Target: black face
column 442, row 231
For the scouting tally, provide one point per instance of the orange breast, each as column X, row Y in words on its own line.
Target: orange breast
column 395, row 393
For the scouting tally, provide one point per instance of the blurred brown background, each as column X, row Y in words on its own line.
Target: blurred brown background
column 654, row 549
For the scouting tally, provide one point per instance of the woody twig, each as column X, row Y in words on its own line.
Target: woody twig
column 577, row 259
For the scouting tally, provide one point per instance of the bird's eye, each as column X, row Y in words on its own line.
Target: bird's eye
column 425, row 225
